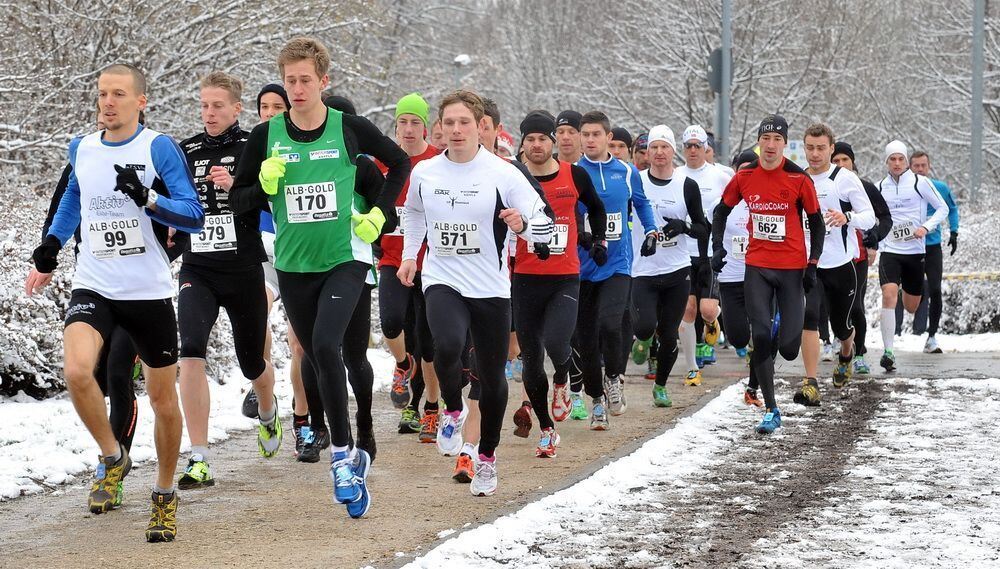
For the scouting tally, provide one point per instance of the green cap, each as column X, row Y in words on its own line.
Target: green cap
column 413, row 104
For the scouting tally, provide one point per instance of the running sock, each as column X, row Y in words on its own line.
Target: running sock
column 483, row 458
column 300, row 420
column 688, row 343
column 267, row 417
column 469, row 449
column 430, row 407
column 164, row 491
column 117, row 456
column 201, row 451
column 405, row 364
column 888, row 326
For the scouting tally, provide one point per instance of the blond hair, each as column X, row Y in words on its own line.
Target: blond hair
column 472, row 101
column 223, row 80
column 302, row 48
column 138, row 78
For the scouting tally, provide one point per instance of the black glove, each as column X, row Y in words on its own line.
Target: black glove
column 585, row 239
column 542, row 251
column 674, row 227
column 599, row 253
column 809, row 278
column 128, row 183
column 953, row 243
column 870, row 239
column 46, row 255
column 648, row 248
column 718, row 260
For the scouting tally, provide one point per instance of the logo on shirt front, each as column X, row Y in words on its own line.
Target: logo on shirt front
column 227, row 159
column 292, row 157
column 328, row 154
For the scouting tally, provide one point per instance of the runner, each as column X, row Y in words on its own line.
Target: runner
column 843, row 156
column 640, row 158
column 604, row 288
column 846, row 210
column 438, row 139
column 568, row 141
column 621, row 144
column 909, row 195
column 697, row 339
column 396, row 300
column 545, row 291
column 661, row 282
column 123, row 278
column 920, row 163
column 776, row 191
column 222, row 270
column 465, row 276
column 303, row 163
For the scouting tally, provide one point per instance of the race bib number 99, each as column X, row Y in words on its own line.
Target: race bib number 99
column 560, row 239
column 450, row 238
column 219, row 234
column 117, row 238
column 307, row 203
column 614, row 226
column 903, row 232
column 768, row 227
column 739, row 246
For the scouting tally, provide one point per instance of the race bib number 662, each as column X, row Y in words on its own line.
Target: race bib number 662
column 768, row 227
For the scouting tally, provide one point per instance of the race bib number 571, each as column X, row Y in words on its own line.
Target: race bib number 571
column 307, row 203
column 455, row 238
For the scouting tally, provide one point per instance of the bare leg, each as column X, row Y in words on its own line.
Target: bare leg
column 160, row 385
column 82, row 347
column 196, row 399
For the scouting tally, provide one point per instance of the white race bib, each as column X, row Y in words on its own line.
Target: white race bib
column 398, row 232
column 455, row 238
column 219, row 234
column 662, row 241
column 903, row 232
column 306, row 203
column 560, row 239
column 739, row 245
column 614, row 226
column 116, row 238
column 805, row 227
column 768, row 227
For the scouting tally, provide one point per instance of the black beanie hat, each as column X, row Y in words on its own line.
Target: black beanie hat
column 620, row 134
column 843, row 148
column 273, row 88
column 773, row 123
column 342, row 104
column 569, row 118
column 744, row 157
column 536, row 122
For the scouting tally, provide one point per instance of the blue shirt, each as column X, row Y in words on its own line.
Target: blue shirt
column 619, row 186
column 934, row 237
column 266, row 222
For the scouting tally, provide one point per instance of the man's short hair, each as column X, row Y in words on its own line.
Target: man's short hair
column 223, row 80
column 298, row 49
column 472, row 101
column 491, row 110
column 596, row 117
column 920, row 154
column 818, row 130
column 138, row 77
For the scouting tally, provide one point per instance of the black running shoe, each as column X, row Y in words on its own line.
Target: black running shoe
column 250, row 405
column 310, row 451
column 322, row 437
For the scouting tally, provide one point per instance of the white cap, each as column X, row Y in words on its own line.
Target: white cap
column 896, row 147
column 662, row 132
column 695, row 132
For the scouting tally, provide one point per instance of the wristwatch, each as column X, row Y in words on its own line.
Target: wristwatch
column 151, row 198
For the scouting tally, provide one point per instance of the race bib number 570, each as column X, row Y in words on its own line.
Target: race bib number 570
column 307, row 203
column 768, row 227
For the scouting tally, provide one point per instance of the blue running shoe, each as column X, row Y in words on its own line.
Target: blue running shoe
column 775, row 326
column 772, row 420
column 508, row 371
column 359, row 507
column 345, row 487
column 517, row 369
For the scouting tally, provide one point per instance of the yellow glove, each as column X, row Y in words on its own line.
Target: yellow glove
column 271, row 170
column 368, row 226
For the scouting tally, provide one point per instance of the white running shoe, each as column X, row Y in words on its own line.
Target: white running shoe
column 560, row 402
column 828, row 352
column 615, row 390
column 449, row 435
column 931, row 347
column 484, row 482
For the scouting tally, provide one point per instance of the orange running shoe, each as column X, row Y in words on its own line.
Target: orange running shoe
column 464, row 469
column 429, row 427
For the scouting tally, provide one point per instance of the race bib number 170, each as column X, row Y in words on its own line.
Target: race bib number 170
column 308, row 203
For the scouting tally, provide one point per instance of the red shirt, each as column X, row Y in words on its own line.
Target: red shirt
column 392, row 243
column 562, row 194
column 776, row 199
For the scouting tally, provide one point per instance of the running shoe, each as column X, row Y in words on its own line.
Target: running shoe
column 297, row 432
column 888, row 361
column 640, row 350
column 808, row 393
column 429, row 427
column 547, row 444
column 828, row 353
column 709, row 356
column 614, row 389
column 931, row 347
column 484, row 482
column 699, row 355
column 400, row 391
column 310, row 450
column 660, row 396
column 250, row 405
column 843, row 372
column 322, row 437
column 599, row 415
column 344, row 473
column 464, row 469
column 579, row 410
column 693, row 378
column 269, row 436
column 651, row 369
column 119, row 494
column 750, row 398
column 522, row 420
column 712, row 333
column 743, row 354
column 508, row 371
column 408, row 421
column 449, row 432
column 104, row 491
column 196, row 475
column 517, row 369
column 861, row 366
column 560, row 402
column 366, row 442
column 162, row 518
column 771, row 422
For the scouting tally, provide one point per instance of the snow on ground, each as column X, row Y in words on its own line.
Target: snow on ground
column 989, row 342
column 44, row 444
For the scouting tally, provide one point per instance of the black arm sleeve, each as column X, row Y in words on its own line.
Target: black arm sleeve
column 371, row 141
column 699, row 225
column 246, row 195
column 722, row 212
column 882, row 213
column 536, row 186
column 56, row 198
column 589, row 198
column 816, row 238
column 369, row 181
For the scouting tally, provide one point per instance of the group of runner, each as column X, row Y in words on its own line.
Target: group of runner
column 583, row 245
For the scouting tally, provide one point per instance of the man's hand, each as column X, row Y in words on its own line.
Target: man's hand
column 128, row 183
column 271, row 170
column 870, row 239
column 407, row 271
column 599, row 253
column 36, row 281
column 541, row 250
column 221, row 177
column 513, row 219
column 835, row 218
column 809, row 278
column 920, row 232
column 46, row 255
column 648, row 248
column 718, row 260
column 674, row 227
column 953, row 243
column 368, row 226
column 585, row 239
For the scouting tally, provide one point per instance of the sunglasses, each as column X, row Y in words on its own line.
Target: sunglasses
column 688, row 145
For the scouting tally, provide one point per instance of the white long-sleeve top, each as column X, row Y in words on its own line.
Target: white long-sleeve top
column 840, row 189
column 908, row 199
column 456, row 207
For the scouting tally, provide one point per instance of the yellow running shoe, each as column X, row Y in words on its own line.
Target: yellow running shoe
column 808, row 393
column 269, row 436
column 162, row 518
column 104, row 494
column 712, row 332
column 693, row 378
